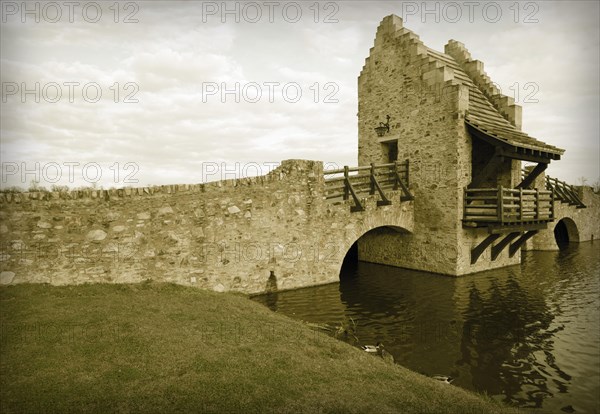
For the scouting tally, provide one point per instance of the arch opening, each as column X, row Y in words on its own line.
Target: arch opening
column 353, row 255
column 566, row 232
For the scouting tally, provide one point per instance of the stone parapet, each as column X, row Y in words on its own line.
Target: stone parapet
column 270, row 232
column 287, row 168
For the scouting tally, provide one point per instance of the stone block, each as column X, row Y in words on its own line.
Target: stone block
column 95, row 235
column 6, row 277
column 165, row 210
column 233, row 210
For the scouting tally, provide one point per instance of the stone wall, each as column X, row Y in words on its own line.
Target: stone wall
column 249, row 235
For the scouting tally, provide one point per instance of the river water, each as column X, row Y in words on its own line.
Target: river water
column 527, row 335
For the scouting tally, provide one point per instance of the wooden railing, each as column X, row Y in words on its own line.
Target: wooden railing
column 507, row 206
column 341, row 184
column 564, row 192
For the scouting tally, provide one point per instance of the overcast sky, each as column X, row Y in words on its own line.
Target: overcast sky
column 167, row 64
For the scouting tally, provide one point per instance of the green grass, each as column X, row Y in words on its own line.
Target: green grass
column 166, row 348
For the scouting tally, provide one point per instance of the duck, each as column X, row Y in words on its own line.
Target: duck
column 371, row 348
column 444, row 379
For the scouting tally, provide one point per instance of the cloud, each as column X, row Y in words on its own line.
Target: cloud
column 171, row 53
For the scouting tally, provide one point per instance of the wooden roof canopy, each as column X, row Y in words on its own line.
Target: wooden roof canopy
column 485, row 122
column 512, row 144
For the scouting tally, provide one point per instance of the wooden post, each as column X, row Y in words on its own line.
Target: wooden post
column 346, row 181
column 537, row 204
column 465, row 203
column 372, row 179
column 396, row 175
column 407, row 181
column 520, row 205
column 500, row 206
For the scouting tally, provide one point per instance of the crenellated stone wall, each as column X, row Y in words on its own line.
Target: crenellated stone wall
column 249, row 235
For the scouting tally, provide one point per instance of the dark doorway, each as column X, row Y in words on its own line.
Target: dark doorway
column 561, row 234
column 350, row 261
column 390, row 150
column 393, row 152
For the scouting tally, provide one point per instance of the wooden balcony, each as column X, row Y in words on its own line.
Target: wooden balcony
column 503, row 209
column 511, row 215
column 354, row 182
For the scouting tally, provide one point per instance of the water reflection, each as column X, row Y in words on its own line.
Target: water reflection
column 528, row 335
column 507, row 344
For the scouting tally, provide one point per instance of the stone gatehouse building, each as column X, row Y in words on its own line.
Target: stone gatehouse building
column 466, row 150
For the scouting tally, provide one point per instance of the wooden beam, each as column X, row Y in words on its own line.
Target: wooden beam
column 562, row 195
column 346, row 182
column 407, row 195
column 480, row 248
column 514, row 248
column 523, row 156
column 519, row 228
column 375, row 186
column 533, row 174
column 348, row 188
column 497, row 249
column 574, row 198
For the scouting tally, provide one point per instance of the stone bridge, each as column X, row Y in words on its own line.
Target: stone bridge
column 576, row 216
column 257, row 234
column 288, row 229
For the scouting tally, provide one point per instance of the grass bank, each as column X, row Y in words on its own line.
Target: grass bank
column 165, row 348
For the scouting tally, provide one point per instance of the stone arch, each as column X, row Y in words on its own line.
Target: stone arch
column 566, row 231
column 350, row 252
